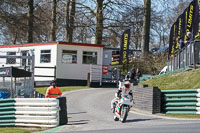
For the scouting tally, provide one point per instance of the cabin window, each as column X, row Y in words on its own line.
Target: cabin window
column 45, row 56
column 89, row 57
column 25, row 61
column 11, row 60
column 69, row 57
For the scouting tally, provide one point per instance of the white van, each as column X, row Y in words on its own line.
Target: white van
column 164, row 70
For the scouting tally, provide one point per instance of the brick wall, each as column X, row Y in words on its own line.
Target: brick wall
column 147, row 99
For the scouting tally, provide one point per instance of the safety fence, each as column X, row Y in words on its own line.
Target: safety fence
column 31, row 112
column 188, row 56
column 37, row 95
column 183, row 101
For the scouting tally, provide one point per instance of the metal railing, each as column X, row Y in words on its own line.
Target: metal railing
column 188, row 56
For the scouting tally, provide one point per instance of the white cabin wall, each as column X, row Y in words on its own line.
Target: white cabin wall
column 37, row 50
column 77, row 71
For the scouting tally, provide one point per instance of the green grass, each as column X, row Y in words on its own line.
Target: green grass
column 19, row 130
column 42, row 90
column 195, row 116
column 182, row 80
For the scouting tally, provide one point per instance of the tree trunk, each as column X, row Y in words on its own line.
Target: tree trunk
column 30, row 22
column 99, row 19
column 15, row 38
column 146, row 27
column 67, row 27
column 163, row 39
column 53, row 19
column 72, row 17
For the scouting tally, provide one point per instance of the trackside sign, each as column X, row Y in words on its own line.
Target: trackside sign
column 5, row 72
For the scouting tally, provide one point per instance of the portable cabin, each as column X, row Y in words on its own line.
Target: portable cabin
column 68, row 63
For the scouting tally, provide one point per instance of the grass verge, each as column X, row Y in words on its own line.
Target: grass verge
column 195, row 116
column 42, row 90
column 183, row 80
column 19, row 130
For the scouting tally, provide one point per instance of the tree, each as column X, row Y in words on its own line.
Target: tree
column 30, row 21
column 146, row 27
column 53, row 19
column 70, row 17
column 99, row 24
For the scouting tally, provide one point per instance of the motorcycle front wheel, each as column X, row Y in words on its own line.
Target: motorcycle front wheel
column 124, row 114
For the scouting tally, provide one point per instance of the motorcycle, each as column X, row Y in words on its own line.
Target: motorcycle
column 122, row 107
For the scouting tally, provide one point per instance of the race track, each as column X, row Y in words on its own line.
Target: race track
column 89, row 112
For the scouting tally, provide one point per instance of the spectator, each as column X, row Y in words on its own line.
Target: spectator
column 114, row 74
column 138, row 74
column 180, row 42
column 53, row 91
column 189, row 38
column 132, row 74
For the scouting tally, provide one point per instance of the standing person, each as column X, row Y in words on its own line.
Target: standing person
column 53, row 91
column 138, row 74
column 189, row 38
column 180, row 42
column 132, row 74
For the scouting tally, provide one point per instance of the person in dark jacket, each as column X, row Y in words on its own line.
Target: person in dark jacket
column 138, row 75
column 132, row 74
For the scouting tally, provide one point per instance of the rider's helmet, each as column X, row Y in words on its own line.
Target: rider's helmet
column 127, row 85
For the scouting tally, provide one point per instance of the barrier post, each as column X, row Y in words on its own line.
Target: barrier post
column 194, row 56
column 88, row 80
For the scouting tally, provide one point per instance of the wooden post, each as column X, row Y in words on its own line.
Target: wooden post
column 55, row 73
column 194, row 52
column 88, row 80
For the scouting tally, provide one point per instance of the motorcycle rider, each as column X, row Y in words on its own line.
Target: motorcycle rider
column 121, row 90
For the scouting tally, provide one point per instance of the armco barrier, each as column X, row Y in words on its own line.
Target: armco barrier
column 182, row 101
column 34, row 112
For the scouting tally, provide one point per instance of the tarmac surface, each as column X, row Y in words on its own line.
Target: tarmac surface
column 89, row 112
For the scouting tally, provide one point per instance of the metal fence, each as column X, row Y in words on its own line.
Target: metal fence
column 96, row 73
column 17, row 86
column 188, row 56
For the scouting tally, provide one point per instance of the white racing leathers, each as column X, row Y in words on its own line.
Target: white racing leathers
column 122, row 103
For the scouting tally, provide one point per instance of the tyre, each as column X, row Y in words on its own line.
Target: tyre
column 63, row 117
column 124, row 114
column 62, row 103
column 116, row 118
